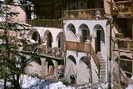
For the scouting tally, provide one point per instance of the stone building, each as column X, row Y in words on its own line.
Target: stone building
column 88, row 30
column 86, row 43
column 81, row 40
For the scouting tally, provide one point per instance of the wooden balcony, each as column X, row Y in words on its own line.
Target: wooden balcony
column 46, row 22
column 124, row 44
column 123, row 8
column 84, row 14
column 43, row 51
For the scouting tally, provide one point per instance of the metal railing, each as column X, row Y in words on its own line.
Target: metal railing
column 85, row 14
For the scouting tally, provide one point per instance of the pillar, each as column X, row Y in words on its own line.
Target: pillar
column 107, row 7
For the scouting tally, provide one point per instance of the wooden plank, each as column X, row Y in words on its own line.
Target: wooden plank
column 41, row 55
column 127, row 60
column 125, row 51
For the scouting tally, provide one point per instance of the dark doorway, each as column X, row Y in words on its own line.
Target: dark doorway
column 49, row 40
column 98, row 41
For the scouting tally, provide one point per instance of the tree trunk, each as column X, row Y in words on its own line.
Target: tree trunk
column 5, row 80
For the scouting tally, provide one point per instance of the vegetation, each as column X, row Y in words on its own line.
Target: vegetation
column 12, row 62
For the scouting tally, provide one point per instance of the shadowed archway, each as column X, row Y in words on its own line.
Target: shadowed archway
column 48, row 38
column 99, row 37
column 84, row 73
column 70, row 70
column 71, row 28
column 84, row 33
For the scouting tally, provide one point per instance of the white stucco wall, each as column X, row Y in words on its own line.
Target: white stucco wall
column 54, row 32
column 91, row 24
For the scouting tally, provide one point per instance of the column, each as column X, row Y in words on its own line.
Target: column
column 107, row 7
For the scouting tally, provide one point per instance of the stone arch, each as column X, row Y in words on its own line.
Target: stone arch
column 50, row 66
column 84, row 68
column 60, row 40
column 70, row 69
column 99, row 35
column 37, row 60
column 34, row 35
column 48, row 38
column 84, row 32
column 86, row 60
column 71, row 28
column 72, row 59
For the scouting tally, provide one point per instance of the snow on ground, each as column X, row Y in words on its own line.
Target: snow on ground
column 35, row 83
column 130, row 86
column 29, row 82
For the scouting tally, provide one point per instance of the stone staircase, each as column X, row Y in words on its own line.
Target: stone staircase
column 102, row 67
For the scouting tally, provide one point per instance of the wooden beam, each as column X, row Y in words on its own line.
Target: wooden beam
column 42, row 55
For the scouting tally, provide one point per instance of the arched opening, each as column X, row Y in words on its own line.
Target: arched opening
column 37, row 60
column 60, row 40
column 48, row 39
column 72, row 59
column 71, row 28
column 100, row 37
column 84, row 33
column 50, row 66
column 36, row 37
column 84, row 71
column 70, row 69
column 60, row 69
column 86, row 60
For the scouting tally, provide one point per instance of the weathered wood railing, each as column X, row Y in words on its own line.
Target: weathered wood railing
column 82, row 47
column 124, row 44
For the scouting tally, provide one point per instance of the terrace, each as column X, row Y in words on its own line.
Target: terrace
column 44, row 51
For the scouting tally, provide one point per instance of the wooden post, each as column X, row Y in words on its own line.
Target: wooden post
column 132, row 30
column 90, row 62
column 119, row 68
column 132, row 62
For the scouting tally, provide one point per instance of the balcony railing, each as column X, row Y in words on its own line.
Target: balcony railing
column 125, row 44
column 85, row 14
column 46, row 22
column 44, row 50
